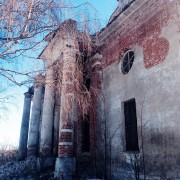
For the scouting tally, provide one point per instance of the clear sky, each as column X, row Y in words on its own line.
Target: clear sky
column 104, row 8
column 11, row 121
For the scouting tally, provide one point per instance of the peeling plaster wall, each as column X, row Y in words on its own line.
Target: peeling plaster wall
column 156, row 90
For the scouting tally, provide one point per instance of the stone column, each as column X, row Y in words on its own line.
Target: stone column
column 33, row 137
column 22, row 150
column 47, row 115
column 65, row 163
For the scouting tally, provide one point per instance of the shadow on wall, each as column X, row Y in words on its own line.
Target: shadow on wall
column 159, row 158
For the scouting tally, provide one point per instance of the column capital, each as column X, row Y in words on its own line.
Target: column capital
column 29, row 93
column 39, row 80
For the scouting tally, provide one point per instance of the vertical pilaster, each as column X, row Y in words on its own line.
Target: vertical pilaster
column 65, row 163
column 22, row 150
column 67, row 105
column 33, row 137
column 47, row 115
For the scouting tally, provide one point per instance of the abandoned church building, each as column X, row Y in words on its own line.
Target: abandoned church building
column 108, row 105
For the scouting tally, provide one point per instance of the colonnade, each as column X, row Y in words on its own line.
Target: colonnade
column 50, row 129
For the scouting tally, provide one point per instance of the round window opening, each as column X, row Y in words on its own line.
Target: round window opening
column 127, row 61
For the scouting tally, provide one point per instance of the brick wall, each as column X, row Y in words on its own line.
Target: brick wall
column 143, row 28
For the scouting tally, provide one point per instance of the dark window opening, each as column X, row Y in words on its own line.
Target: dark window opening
column 86, row 134
column 127, row 62
column 88, row 83
column 131, row 125
column 83, row 59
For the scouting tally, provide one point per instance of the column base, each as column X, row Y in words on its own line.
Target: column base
column 46, row 163
column 65, row 168
column 22, row 155
column 32, row 151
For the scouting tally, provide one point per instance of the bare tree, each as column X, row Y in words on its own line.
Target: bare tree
column 23, row 26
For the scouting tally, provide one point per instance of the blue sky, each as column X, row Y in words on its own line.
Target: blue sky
column 10, row 124
column 104, row 8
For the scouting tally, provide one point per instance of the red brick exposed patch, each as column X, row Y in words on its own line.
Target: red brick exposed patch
column 145, row 33
column 155, row 51
column 65, row 151
column 67, row 125
column 66, row 137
